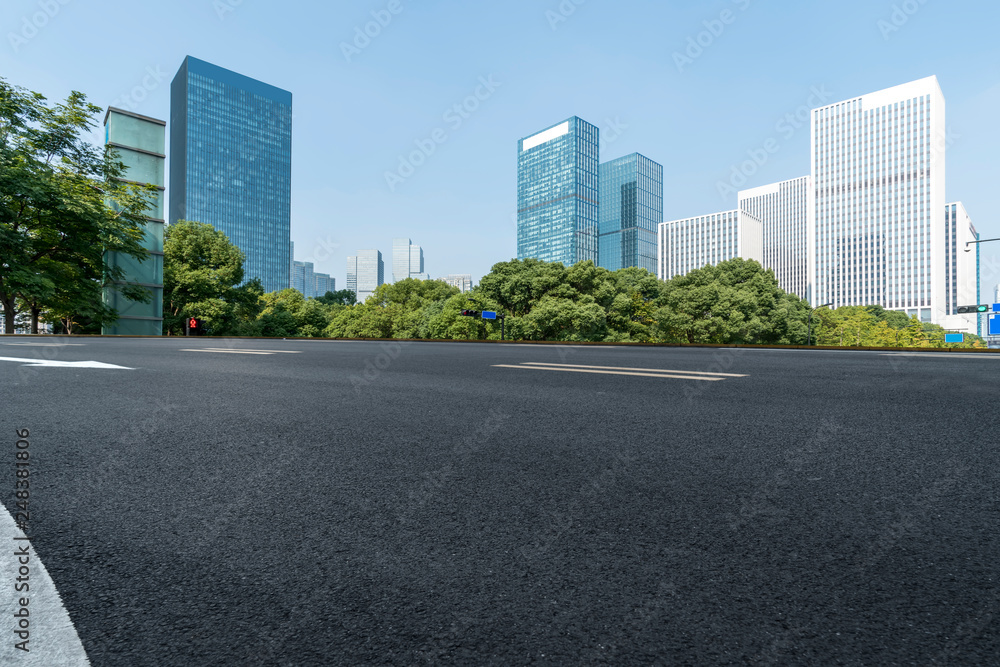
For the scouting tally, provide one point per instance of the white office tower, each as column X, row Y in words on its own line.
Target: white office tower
column 352, row 274
column 692, row 243
column 787, row 214
column 961, row 269
column 370, row 273
column 400, row 259
column 462, row 281
column 878, row 163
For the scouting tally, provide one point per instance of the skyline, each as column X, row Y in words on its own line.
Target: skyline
column 700, row 119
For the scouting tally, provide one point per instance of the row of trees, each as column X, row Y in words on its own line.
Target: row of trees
column 737, row 301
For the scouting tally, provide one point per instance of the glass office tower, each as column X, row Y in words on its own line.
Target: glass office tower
column 631, row 196
column 140, row 142
column 231, row 163
column 557, row 193
column 407, row 261
column 370, row 273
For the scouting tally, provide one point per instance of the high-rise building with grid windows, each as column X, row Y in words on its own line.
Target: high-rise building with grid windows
column 370, row 273
column 962, row 275
column 786, row 212
column 231, row 163
column 558, row 193
column 407, row 261
column 692, row 243
column 878, row 164
column 631, row 208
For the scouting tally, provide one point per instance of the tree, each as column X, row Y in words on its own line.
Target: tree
column 344, row 297
column 63, row 205
column 736, row 301
column 201, row 270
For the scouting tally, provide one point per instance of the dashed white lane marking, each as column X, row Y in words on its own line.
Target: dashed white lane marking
column 65, row 364
column 622, row 368
column 663, row 374
column 222, row 350
column 52, row 639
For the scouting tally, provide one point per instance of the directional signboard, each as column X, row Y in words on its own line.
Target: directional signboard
column 995, row 325
column 954, row 338
column 489, row 315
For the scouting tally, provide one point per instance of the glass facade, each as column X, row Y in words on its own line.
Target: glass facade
column 407, row 261
column 631, row 209
column 231, row 159
column 557, row 193
column 370, row 273
column 352, row 274
column 303, row 278
column 140, row 143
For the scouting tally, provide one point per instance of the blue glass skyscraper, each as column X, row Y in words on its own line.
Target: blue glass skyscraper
column 631, row 209
column 557, row 193
column 231, row 163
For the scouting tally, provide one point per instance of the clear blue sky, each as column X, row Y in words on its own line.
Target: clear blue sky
column 611, row 63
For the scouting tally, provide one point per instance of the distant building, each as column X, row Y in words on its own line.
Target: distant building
column 352, row 274
column 962, row 286
column 462, row 281
column 303, row 278
column 631, row 208
column 787, row 217
column 231, row 163
column 558, row 194
column 324, row 283
column 692, row 243
column 407, row 261
column 370, row 273
column 140, row 142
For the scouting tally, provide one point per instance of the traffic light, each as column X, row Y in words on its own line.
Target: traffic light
column 470, row 313
column 963, row 310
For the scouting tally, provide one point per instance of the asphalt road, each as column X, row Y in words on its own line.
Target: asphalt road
column 360, row 504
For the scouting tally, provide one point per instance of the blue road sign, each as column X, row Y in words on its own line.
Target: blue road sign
column 995, row 325
column 954, row 338
column 489, row 315
column 996, row 307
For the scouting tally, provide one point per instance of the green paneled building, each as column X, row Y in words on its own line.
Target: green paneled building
column 141, row 142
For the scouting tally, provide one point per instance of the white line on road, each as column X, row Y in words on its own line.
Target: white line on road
column 587, row 370
column 958, row 355
column 47, row 344
column 620, row 368
column 52, row 639
column 226, row 351
column 65, row 364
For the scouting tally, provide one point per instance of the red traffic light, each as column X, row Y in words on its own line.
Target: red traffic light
column 193, row 323
column 470, row 313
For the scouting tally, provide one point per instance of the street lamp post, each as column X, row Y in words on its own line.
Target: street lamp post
column 968, row 249
column 809, row 330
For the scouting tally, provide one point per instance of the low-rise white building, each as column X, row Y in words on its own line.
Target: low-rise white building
column 692, row 243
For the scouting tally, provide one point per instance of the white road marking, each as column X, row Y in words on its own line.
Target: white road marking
column 620, row 368
column 52, row 639
column 587, row 370
column 65, row 364
column 957, row 355
column 236, row 351
column 47, row 344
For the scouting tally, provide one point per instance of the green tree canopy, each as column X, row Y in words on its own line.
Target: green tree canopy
column 62, row 206
column 201, row 272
